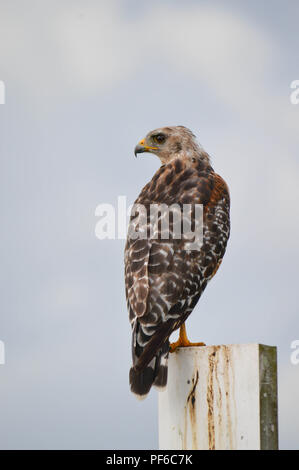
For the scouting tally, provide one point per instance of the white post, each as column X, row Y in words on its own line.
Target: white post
column 220, row 397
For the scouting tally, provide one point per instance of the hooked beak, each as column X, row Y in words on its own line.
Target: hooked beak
column 141, row 148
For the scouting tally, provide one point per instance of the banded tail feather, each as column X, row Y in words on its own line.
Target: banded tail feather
column 150, row 357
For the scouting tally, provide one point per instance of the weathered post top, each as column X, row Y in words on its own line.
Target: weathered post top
column 220, row 397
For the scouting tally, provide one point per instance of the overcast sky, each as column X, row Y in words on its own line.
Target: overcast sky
column 85, row 81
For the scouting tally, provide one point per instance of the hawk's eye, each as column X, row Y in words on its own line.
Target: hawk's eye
column 159, row 138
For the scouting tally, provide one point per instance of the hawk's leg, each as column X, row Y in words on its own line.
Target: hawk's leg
column 183, row 341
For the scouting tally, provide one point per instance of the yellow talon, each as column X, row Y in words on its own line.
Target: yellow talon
column 183, row 341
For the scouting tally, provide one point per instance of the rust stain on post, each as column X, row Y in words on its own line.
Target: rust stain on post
column 219, row 391
column 210, row 401
column 228, row 386
column 192, row 408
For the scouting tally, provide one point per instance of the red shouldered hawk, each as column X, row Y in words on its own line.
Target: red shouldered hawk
column 164, row 278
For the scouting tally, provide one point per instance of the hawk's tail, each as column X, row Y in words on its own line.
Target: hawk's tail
column 149, row 362
column 155, row 373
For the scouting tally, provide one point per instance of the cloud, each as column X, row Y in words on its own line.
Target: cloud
column 95, row 46
column 89, row 49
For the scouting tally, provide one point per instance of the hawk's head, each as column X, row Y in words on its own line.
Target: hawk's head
column 170, row 142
